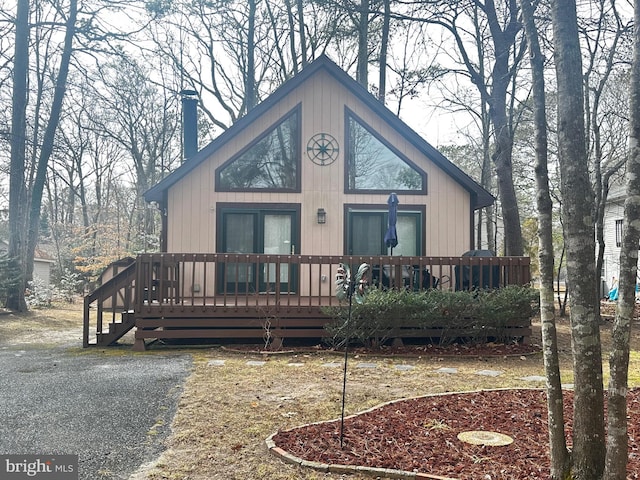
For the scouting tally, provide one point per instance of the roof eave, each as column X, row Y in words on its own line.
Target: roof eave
column 482, row 197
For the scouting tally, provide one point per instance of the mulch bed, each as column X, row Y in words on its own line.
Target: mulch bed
column 420, row 435
column 608, row 310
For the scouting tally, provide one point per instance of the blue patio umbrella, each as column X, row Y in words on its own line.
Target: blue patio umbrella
column 391, row 237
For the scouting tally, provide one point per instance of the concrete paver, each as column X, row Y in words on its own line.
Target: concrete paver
column 489, row 373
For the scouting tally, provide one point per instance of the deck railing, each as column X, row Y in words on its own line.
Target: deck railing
column 176, row 281
column 232, row 290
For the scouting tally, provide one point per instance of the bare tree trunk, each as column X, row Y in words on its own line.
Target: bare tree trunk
column 486, row 177
column 602, row 194
column 486, row 180
column 503, row 156
column 250, row 87
column 601, row 190
column 17, row 192
column 49, row 136
column 617, row 440
column 504, row 26
column 280, row 49
column 292, row 37
column 562, row 299
column 362, row 73
column 382, row 87
column 560, row 464
column 601, row 179
column 578, row 213
column 303, row 34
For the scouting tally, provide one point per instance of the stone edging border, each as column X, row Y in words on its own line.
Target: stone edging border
column 267, row 353
column 373, row 471
column 336, row 468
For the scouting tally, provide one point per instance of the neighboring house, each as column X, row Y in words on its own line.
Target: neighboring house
column 42, row 263
column 613, row 227
column 258, row 224
column 309, row 170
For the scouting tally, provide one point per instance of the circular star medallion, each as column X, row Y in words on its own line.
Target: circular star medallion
column 322, row 149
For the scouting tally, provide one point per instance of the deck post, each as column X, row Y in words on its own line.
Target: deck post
column 139, row 345
column 85, row 323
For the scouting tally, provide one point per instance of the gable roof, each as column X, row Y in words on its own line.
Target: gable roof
column 39, row 255
column 479, row 196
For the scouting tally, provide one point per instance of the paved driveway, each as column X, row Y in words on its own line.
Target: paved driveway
column 114, row 411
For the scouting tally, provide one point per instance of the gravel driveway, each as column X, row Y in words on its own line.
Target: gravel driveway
column 114, row 411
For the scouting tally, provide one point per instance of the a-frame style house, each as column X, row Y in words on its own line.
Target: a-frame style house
column 320, row 141
column 256, row 223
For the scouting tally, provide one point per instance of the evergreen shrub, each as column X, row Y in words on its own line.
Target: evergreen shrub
column 481, row 315
column 9, row 276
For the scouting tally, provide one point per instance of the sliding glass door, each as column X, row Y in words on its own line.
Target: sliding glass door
column 257, row 231
column 367, row 229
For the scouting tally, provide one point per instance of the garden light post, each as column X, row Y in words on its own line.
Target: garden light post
column 348, row 287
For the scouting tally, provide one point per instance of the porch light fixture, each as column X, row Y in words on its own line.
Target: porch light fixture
column 322, row 216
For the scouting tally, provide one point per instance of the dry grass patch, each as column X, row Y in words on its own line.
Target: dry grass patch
column 226, row 412
column 61, row 324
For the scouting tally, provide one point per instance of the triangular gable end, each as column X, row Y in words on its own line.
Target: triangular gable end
column 479, row 196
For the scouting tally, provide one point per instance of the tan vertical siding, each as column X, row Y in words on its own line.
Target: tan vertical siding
column 192, row 201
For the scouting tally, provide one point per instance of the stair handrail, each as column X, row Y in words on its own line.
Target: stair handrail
column 123, row 279
column 118, row 281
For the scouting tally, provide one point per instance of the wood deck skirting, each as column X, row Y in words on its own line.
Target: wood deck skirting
column 228, row 295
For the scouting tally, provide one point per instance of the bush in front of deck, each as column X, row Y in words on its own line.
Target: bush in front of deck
column 445, row 316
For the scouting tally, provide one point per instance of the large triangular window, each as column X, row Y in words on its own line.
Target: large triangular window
column 271, row 162
column 373, row 165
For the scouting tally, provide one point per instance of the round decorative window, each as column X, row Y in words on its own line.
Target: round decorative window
column 323, row 149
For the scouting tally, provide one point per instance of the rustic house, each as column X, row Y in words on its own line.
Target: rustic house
column 268, row 210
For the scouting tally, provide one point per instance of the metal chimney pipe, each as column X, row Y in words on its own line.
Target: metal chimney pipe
column 189, row 123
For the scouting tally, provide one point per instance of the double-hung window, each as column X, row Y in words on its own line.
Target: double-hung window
column 618, row 233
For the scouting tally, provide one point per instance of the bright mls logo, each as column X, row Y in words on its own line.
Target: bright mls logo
column 19, row 467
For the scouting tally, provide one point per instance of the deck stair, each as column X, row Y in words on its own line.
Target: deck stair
column 112, row 302
column 116, row 330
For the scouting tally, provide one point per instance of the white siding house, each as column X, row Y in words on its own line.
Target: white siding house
column 613, row 226
column 42, row 263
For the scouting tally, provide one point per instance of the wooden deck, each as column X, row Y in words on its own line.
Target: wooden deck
column 267, row 297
